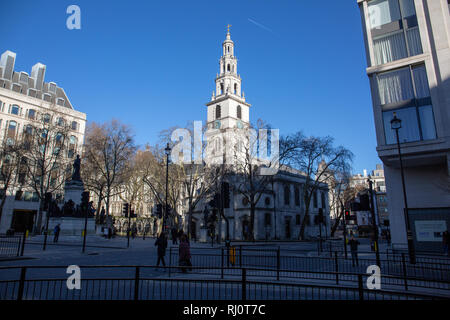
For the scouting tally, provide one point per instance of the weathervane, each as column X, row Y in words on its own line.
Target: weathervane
column 228, row 28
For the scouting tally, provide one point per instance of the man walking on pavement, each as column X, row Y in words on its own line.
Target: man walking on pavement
column 354, row 250
column 56, row 231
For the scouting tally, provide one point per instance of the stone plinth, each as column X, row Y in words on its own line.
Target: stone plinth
column 73, row 190
column 72, row 226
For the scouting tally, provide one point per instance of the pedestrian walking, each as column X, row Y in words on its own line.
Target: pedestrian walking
column 446, row 242
column 161, row 244
column 174, row 235
column 56, row 231
column 184, row 254
column 354, row 250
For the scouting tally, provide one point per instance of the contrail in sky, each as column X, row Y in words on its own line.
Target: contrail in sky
column 261, row 26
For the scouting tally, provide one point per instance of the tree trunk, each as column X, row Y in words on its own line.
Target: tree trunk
column 336, row 224
column 301, row 234
column 252, row 219
column 2, row 205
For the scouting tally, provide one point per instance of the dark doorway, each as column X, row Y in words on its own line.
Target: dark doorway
column 23, row 220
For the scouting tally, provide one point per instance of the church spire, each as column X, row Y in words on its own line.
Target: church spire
column 228, row 80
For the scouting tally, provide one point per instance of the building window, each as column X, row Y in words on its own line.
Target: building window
column 297, row 196
column 31, row 114
column 406, row 92
column 297, row 219
column 72, row 146
column 46, row 118
column 15, row 110
column 287, row 195
column 12, row 130
column 218, row 112
column 394, row 29
column 61, row 122
column 235, row 88
column 74, row 125
column 239, row 112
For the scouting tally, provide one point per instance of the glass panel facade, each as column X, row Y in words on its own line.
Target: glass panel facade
column 427, row 122
column 383, row 12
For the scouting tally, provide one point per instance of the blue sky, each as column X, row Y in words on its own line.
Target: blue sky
column 152, row 64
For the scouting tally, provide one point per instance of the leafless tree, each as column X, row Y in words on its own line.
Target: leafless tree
column 108, row 150
column 315, row 157
column 48, row 154
column 12, row 167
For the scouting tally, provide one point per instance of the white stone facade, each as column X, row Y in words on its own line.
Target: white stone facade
column 24, row 99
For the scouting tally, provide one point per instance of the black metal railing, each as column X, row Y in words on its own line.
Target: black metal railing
column 10, row 246
column 140, row 283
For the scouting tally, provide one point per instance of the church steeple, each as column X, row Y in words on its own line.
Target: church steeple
column 227, row 108
column 228, row 80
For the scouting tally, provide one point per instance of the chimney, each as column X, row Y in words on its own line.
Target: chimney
column 7, row 61
column 38, row 73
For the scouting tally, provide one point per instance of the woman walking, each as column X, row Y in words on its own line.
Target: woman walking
column 184, row 254
column 161, row 243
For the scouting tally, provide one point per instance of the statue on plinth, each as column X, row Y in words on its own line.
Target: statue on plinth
column 76, row 176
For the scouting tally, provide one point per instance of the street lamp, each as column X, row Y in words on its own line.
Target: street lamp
column 167, row 151
column 396, row 124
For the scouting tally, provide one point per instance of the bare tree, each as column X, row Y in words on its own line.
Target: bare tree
column 315, row 157
column 12, row 167
column 47, row 157
column 108, row 150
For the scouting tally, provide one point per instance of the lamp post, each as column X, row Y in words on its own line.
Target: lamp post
column 374, row 224
column 167, row 151
column 396, row 124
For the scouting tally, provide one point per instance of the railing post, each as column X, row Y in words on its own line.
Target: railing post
column 244, row 283
column 404, row 271
column 170, row 260
column 136, row 284
column 360, row 287
column 23, row 271
column 19, row 246
column 23, row 242
column 278, row 263
column 240, row 256
column 222, row 264
column 336, row 263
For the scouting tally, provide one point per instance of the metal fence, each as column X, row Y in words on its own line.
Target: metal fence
column 396, row 270
column 140, row 283
column 10, row 246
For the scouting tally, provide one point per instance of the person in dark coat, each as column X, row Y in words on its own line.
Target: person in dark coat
column 184, row 254
column 354, row 249
column 161, row 243
column 56, row 231
column 174, row 232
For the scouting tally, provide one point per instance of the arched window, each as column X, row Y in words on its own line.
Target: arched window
column 72, row 146
column 235, row 88
column 46, row 118
column 218, row 113
column 287, row 195
column 12, row 129
column 15, row 109
column 228, row 67
column 61, row 122
column 31, row 114
column 239, row 112
column 74, row 125
column 221, row 88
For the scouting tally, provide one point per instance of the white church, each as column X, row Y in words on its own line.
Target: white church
column 280, row 209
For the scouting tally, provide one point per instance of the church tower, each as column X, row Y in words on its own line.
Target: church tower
column 227, row 111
